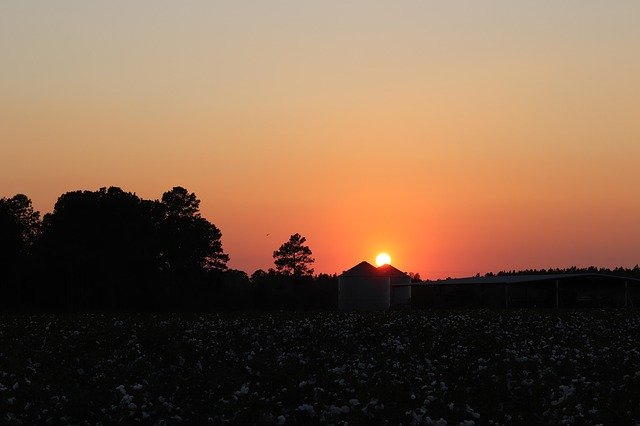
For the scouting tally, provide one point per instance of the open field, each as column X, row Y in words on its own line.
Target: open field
column 488, row 367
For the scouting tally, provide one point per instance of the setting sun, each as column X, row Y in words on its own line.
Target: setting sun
column 383, row 259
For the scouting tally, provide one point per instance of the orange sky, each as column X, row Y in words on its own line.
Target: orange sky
column 460, row 138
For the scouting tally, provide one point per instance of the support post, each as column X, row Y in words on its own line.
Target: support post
column 626, row 294
column 557, row 295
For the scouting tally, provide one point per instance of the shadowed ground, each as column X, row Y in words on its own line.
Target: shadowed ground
column 412, row 367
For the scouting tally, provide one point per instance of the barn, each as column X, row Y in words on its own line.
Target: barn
column 529, row 291
column 365, row 287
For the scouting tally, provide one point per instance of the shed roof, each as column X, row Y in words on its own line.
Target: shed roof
column 515, row 279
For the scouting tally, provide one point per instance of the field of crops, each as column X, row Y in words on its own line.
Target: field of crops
column 410, row 367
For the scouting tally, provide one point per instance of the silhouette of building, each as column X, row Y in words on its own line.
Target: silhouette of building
column 533, row 291
column 365, row 287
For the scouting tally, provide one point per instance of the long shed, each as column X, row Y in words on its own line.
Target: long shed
column 544, row 290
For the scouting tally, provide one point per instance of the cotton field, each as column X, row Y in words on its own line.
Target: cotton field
column 410, row 367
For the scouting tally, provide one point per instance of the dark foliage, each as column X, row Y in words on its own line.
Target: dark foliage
column 19, row 229
column 274, row 290
column 112, row 250
column 294, row 258
column 189, row 242
column 415, row 277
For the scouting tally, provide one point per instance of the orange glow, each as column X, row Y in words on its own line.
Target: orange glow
column 461, row 139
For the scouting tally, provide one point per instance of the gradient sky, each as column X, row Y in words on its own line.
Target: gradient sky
column 459, row 136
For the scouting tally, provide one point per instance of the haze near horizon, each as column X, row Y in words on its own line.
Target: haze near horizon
column 459, row 137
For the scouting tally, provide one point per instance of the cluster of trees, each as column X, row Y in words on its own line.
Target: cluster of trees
column 112, row 250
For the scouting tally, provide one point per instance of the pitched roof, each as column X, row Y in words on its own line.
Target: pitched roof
column 390, row 271
column 366, row 269
column 363, row 268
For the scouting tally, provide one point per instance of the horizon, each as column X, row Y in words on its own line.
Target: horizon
column 458, row 138
column 371, row 259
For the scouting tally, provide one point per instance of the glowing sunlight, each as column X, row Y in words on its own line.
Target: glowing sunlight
column 383, row 259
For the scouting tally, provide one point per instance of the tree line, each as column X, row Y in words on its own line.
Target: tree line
column 112, row 250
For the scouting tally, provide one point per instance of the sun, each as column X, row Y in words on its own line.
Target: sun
column 383, row 259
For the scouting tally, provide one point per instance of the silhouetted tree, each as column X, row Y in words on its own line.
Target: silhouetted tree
column 19, row 227
column 101, row 249
column 415, row 277
column 190, row 242
column 112, row 249
column 258, row 275
column 180, row 203
column 293, row 257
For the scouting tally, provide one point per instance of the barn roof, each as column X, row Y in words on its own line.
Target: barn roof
column 365, row 269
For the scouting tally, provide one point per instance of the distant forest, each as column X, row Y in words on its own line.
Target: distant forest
column 111, row 250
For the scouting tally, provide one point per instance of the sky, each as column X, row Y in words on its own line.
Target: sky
column 458, row 136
